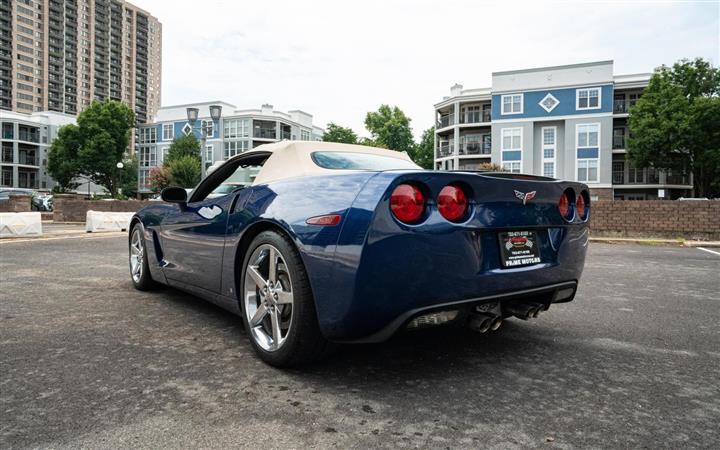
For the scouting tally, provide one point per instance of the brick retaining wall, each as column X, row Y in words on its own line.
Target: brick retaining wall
column 71, row 208
column 695, row 219
column 16, row 203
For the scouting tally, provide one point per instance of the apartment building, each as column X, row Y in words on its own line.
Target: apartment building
column 567, row 122
column 236, row 131
column 59, row 55
column 25, row 142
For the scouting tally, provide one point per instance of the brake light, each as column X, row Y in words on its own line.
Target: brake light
column 407, row 203
column 564, row 206
column 452, row 203
column 580, row 206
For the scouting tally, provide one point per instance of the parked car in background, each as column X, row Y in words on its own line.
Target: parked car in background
column 346, row 243
column 39, row 201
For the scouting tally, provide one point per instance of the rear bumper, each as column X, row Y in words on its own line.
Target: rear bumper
column 399, row 275
column 555, row 293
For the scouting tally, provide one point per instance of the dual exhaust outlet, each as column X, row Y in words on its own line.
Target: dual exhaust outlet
column 489, row 317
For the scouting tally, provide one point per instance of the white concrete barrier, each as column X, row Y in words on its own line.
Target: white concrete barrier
column 14, row 224
column 107, row 221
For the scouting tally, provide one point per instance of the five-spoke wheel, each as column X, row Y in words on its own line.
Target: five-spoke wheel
column 139, row 270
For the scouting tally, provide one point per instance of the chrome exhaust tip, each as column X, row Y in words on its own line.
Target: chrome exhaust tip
column 496, row 324
column 480, row 324
column 535, row 312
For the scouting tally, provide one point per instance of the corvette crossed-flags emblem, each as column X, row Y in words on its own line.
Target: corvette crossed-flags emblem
column 525, row 197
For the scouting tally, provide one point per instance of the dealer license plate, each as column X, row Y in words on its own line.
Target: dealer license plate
column 519, row 248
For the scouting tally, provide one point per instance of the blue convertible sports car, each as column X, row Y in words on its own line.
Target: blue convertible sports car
column 317, row 243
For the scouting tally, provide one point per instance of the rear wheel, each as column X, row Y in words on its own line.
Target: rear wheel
column 139, row 270
column 277, row 303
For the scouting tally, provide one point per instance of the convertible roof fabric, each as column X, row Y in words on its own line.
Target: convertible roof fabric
column 291, row 159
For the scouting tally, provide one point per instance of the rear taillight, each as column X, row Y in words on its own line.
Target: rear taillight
column 407, row 203
column 564, row 205
column 581, row 205
column 452, row 203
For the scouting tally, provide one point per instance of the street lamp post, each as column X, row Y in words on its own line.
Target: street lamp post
column 192, row 116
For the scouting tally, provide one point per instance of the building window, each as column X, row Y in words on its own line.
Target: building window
column 147, row 135
column 588, row 98
column 549, row 146
column 588, row 152
column 208, row 126
column 167, row 132
column 233, row 148
column 304, row 135
column 147, row 157
column 236, row 128
column 512, row 104
column 512, row 149
column 209, row 156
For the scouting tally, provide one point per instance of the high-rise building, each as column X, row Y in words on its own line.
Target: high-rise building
column 59, row 55
column 568, row 122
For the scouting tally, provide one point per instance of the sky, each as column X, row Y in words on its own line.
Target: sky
column 339, row 59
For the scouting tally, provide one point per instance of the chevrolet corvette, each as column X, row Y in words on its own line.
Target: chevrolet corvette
column 319, row 243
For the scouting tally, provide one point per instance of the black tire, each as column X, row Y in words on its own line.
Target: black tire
column 304, row 342
column 144, row 281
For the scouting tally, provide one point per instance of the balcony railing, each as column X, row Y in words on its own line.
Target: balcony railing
column 645, row 176
column 446, row 121
column 623, row 106
column 475, row 148
column 264, row 133
column 618, row 142
column 30, row 137
column 30, row 160
column 446, row 148
column 475, row 117
column 286, row 135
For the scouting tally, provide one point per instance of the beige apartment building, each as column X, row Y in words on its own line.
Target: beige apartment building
column 59, row 55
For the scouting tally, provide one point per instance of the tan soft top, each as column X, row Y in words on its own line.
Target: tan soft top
column 292, row 159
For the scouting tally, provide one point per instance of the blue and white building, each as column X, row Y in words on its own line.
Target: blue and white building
column 237, row 130
column 566, row 122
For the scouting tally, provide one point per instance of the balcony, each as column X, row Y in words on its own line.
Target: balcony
column 446, row 121
column 623, row 106
column 29, row 136
column 618, row 142
column 475, row 147
column 445, row 148
column 28, row 158
column 625, row 174
column 264, row 133
column 475, row 117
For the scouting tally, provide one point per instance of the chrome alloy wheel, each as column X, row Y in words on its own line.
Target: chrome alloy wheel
column 268, row 297
column 137, row 253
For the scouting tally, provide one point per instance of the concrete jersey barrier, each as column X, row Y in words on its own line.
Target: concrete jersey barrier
column 107, row 221
column 15, row 224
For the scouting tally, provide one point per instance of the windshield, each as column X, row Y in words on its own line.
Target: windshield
column 360, row 161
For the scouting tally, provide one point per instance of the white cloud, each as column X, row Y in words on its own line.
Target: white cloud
column 337, row 60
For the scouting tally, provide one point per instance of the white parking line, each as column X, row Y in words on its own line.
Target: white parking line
column 709, row 251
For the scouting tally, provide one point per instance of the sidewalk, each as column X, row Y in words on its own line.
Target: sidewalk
column 62, row 230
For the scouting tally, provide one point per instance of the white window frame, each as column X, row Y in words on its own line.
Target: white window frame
column 578, row 147
column 552, row 146
column 204, row 125
column 209, row 154
column 577, row 98
column 165, row 128
column 502, row 104
column 511, row 164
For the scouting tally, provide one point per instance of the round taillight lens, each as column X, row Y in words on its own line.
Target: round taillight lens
column 452, row 203
column 580, row 206
column 407, row 203
column 564, row 206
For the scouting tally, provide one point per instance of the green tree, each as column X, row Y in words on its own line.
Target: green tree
column 129, row 178
column 63, row 159
column 390, row 127
column 336, row 133
column 94, row 147
column 424, row 152
column 184, row 146
column 159, row 178
column 675, row 125
column 184, row 171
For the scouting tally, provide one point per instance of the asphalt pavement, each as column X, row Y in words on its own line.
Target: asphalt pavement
column 87, row 361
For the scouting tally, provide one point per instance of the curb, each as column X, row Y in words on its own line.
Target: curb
column 669, row 242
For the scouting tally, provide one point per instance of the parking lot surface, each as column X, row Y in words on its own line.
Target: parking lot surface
column 87, row 361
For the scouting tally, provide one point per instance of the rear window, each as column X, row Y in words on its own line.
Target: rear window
column 359, row 161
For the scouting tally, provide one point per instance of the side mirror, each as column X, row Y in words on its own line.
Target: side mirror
column 174, row 194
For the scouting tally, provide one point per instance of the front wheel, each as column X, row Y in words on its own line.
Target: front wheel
column 278, row 309
column 139, row 269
